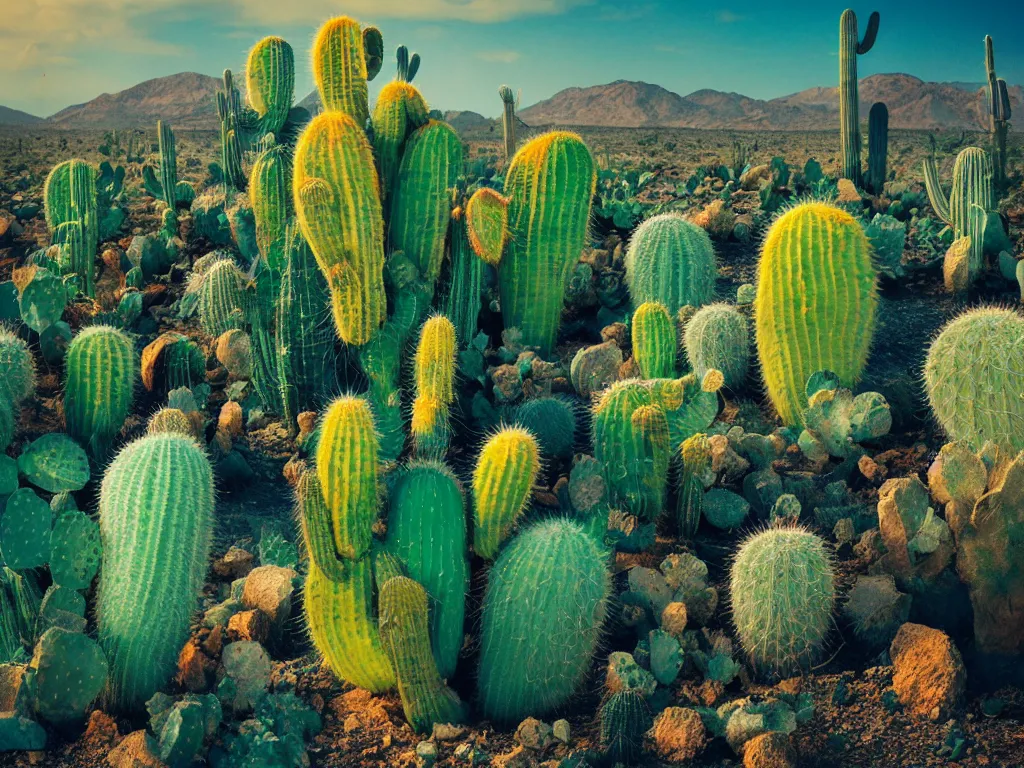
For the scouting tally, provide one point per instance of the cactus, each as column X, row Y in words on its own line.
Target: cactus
column 25, row 530
column 974, row 376
column 400, row 110
column 270, row 82
column 156, row 506
column 19, row 380
column 223, row 300
column 487, row 225
column 75, row 550
column 270, row 191
column 167, row 187
column 508, row 121
column 184, row 364
column 782, row 622
column 421, row 205
column 339, row 68
column 427, row 532
column 543, row 614
column 502, row 483
column 998, row 102
column 850, row 47
column 464, row 296
column 696, row 453
column 878, row 146
column 70, row 672
column 263, row 291
column 717, row 337
column 434, row 373
column 552, row 420
column 670, row 260
column 339, row 211
column 837, row 421
column 654, row 341
column 99, row 386
column 55, row 463
column 970, row 200
column 426, row 700
column 42, row 297
column 229, row 108
column 816, row 302
column 69, row 195
column 625, row 718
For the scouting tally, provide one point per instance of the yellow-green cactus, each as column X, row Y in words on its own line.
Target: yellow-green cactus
column 502, row 482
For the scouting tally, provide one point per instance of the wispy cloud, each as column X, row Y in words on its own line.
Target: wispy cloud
column 728, row 17
column 628, row 13
column 478, row 11
column 500, row 57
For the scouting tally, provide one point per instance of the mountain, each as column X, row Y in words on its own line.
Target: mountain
column 912, row 102
column 465, row 121
column 10, row 116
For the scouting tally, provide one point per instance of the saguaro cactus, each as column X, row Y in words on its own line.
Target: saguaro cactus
column 339, row 68
column 270, row 82
column 508, row 120
column 434, row 371
column 878, row 146
column 850, row 47
column 970, row 199
column 99, row 386
column 463, row 299
column 69, row 200
column 400, row 110
column 166, row 187
column 156, row 509
column 998, row 112
column 270, row 191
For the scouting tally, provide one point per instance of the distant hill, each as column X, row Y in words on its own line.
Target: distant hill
column 10, row 116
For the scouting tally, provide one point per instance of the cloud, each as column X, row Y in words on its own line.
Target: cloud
column 728, row 17
column 499, row 57
column 477, row 11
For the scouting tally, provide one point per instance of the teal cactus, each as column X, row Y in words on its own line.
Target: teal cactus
column 973, row 378
column 109, row 189
column 156, row 505
column 625, row 718
column 223, row 299
column 671, row 260
column 70, row 672
column 19, row 380
column 263, row 291
column 502, row 484
column 42, row 298
column 998, row 102
column 543, row 614
column 464, row 295
column 426, row 700
column 836, row 421
column 99, row 386
column 553, row 421
column 184, row 364
column 654, row 341
column 850, row 47
column 878, row 147
column 75, row 549
column 971, row 198
column 69, row 195
column 888, row 237
column 718, row 337
column 25, row 530
column 427, row 532
column 696, row 461
column 782, row 622
column 55, row 463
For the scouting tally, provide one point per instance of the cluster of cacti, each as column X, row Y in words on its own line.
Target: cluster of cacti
column 69, row 198
column 970, row 200
column 816, row 301
column 836, row 422
column 998, row 102
column 654, row 341
column 717, row 337
column 671, row 260
column 99, row 386
column 878, row 146
column 850, row 47
column 434, row 375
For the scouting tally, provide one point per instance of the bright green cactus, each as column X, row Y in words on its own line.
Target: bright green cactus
column 878, row 147
column 70, row 672
column 263, row 291
column 543, row 614
column 553, row 421
column 270, row 82
column 671, row 260
column 99, row 386
column 69, row 195
column 75, row 549
column 973, row 378
column 426, row 699
column 339, row 68
column 19, row 380
column 336, row 198
column 502, row 483
column 783, row 621
column 156, row 506
column 696, row 454
column 25, row 530
column 223, row 300
column 421, row 209
column 970, row 200
column 55, row 463
column 434, row 374
column 427, row 532
column 850, row 47
column 654, row 341
column 625, row 718
column 270, row 191
column 400, row 110
column 816, row 302
column 464, row 295
column 229, row 107
column 717, row 336
column 167, row 187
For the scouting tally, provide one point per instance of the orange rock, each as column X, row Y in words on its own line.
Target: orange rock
column 194, row 667
column 929, row 676
column 230, row 419
column 678, row 734
column 249, row 625
column 769, row 750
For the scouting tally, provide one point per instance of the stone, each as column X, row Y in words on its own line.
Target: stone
column 247, row 670
column 508, row 384
column 561, row 730
column 249, row 625
column 235, row 564
column 918, row 543
column 651, row 586
column 625, row 674
column 447, row 732
column 535, row 735
column 596, row 367
column 929, row 677
column 230, row 419
column 519, row 757
column 426, row 753
column 747, row 718
column 136, row 750
column 876, row 609
column 20, row 733
column 11, row 677
column 871, row 470
column 269, row 588
column 725, row 462
column 194, row 668
column 678, row 735
column 674, row 618
column 769, row 750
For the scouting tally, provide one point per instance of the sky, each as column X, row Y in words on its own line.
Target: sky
column 54, row 53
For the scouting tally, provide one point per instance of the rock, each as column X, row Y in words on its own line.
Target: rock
column 508, row 384
column 220, row 614
column 269, row 588
column 561, row 731
column 20, row 733
column 876, row 610
column 214, row 642
column 249, row 625
column 674, row 618
column 751, row 180
column 724, row 509
column 230, row 419
column 247, row 670
column 918, row 542
column 426, row 753
column 235, row 564
column 535, row 735
column 872, row 471
column 137, row 750
column 848, row 192
column 194, row 668
column 769, row 750
column 101, row 730
column 11, row 677
column 595, row 368
column 625, row 674
column 652, row 588
column 666, row 656
column 678, row 735
column 520, row 757
column 233, row 351
column 929, row 676
column 447, row 732
column 725, row 462
column 747, row 718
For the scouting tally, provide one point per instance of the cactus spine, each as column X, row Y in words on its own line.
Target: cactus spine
column 718, row 337
column 69, row 195
column 156, row 507
column 434, row 371
column 502, row 483
column 508, row 121
column 654, row 341
column 99, row 386
column 970, row 199
column 998, row 112
column 543, row 613
column 670, row 260
column 850, row 47
column 270, row 82
column 815, row 305
column 878, row 146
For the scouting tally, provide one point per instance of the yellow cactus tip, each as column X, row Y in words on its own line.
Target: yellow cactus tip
column 425, row 411
column 713, row 380
column 671, row 393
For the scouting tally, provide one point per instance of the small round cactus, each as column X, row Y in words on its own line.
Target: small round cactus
column 717, row 337
column 625, row 718
column 671, row 260
column 222, row 298
column 19, row 379
column 99, row 388
column 170, row 420
column 783, row 591
column 974, row 376
column 553, row 421
column 654, row 341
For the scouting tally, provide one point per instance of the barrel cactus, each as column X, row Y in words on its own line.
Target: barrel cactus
column 816, row 303
column 969, row 202
column 654, row 341
column 553, row 421
column 222, row 298
column 502, row 484
column 717, row 336
column 782, row 622
column 19, row 379
column 973, row 377
column 156, row 507
column 671, row 260
column 625, row 718
column 99, row 386
column 543, row 614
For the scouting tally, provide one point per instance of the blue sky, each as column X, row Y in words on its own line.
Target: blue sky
column 59, row 52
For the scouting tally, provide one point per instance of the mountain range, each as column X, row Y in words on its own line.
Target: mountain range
column 187, row 100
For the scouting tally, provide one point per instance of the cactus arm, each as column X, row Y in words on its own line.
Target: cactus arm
column 487, row 224
column 502, row 484
column 936, row 196
column 868, row 41
column 849, row 107
column 315, row 521
column 373, row 45
column 508, row 121
column 339, row 69
column 270, row 82
column 151, row 182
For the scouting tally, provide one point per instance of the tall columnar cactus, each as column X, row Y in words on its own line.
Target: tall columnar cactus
column 696, row 453
column 339, row 211
column 229, row 107
column 850, row 47
column 550, row 183
column 970, row 199
column 502, row 484
column 878, row 146
column 270, row 82
column 223, row 300
column 508, row 121
column 782, row 621
column 815, row 305
column 464, row 295
column 671, row 260
column 421, row 209
column 427, row 532
column 306, row 360
column 99, row 386
column 654, row 341
column 434, row 372
column 718, row 337
column 400, row 110
column 270, row 191
column 69, row 195
column 339, row 68
column 999, row 113
column 166, row 186
column 156, row 509
column 19, row 380
column 543, row 614
column 974, row 377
